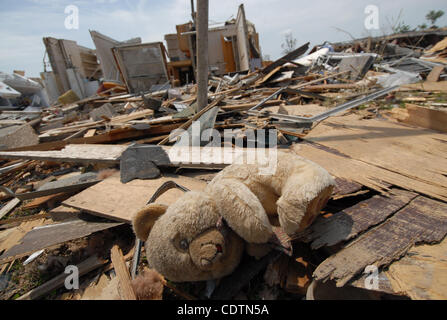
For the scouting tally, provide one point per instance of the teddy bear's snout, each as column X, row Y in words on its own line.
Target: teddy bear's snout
column 207, row 249
column 209, row 253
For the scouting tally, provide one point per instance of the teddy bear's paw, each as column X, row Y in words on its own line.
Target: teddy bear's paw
column 291, row 216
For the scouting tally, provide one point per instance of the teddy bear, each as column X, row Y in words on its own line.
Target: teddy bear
column 202, row 236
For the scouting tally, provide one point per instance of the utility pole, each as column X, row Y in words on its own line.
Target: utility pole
column 193, row 14
column 202, row 53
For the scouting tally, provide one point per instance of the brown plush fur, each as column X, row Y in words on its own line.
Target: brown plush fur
column 148, row 285
column 186, row 244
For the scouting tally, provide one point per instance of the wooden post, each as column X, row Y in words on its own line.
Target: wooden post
column 202, row 53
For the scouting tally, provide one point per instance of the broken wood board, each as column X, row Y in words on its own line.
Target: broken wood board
column 422, row 273
column 53, row 234
column 425, row 86
column 110, row 136
column 7, row 208
column 420, row 116
column 434, row 74
column 417, row 154
column 37, row 202
column 18, row 232
column 104, row 289
column 370, row 176
column 305, row 110
column 419, row 275
column 122, row 273
column 350, row 222
column 65, row 185
column 90, row 153
column 84, row 267
column 345, row 187
column 175, row 156
column 118, row 201
column 423, row 221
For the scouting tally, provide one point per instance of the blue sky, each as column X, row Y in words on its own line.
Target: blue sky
column 24, row 23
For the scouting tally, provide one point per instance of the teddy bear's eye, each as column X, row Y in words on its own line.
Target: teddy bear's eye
column 184, row 244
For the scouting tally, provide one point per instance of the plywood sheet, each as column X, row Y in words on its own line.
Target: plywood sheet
column 115, row 200
column 415, row 153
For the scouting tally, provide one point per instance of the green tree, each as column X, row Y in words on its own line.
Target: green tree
column 422, row 26
column 434, row 15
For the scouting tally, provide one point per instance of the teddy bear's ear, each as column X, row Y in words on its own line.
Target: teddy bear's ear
column 241, row 209
column 145, row 219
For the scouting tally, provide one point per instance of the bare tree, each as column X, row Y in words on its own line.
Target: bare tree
column 289, row 43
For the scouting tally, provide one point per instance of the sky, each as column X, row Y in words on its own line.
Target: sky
column 23, row 23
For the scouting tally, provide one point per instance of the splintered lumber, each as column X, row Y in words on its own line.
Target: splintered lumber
column 53, row 234
column 7, row 208
column 434, row 74
column 175, row 156
column 417, row 155
column 90, row 133
column 110, row 136
column 422, row 273
column 121, row 271
column 370, row 176
column 65, row 185
column 72, row 153
column 118, row 201
column 420, row 116
column 423, row 221
column 425, row 86
column 18, row 232
column 344, row 187
column 84, row 267
column 350, row 222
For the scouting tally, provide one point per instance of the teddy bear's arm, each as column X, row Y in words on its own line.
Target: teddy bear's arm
column 303, row 196
column 241, row 209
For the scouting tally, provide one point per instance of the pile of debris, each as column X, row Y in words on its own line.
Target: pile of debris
column 73, row 174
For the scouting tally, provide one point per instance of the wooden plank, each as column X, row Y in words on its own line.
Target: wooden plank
column 7, row 208
column 84, row 267
column 90, row 133
column 348, row 223
column 415, row 153
column 110, row 136
column 122, row 273
column 53, row 234
column 421, row 116
column 343, row 186
column 37, row 202
column 115, row 200
column 434, row 74
column 370, row 176
column 72, row 153
column 425, row 86
column 17, row 233
column 423, row 221
column 422, row 273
